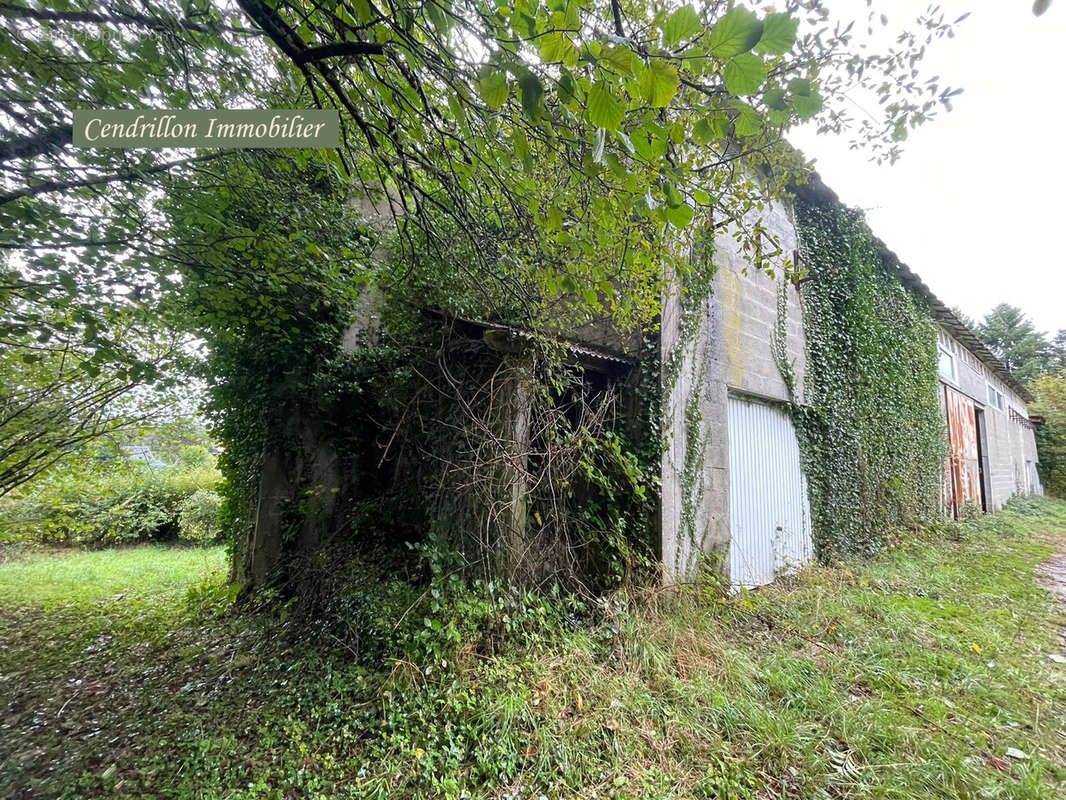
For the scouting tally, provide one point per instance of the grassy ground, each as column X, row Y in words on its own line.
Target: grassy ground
column 926, row 673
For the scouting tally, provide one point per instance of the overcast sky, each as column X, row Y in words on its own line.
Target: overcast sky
column 977, row 204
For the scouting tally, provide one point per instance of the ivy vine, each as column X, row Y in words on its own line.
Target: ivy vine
column 870, row 427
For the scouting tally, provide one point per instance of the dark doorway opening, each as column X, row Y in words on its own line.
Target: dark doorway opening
column 982, row 458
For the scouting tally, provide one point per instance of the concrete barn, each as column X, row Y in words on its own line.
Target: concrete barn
column 734, row 493
column 752, row 508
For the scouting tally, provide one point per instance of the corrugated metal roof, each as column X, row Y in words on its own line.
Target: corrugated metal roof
column 816, row 189
column 580, row 352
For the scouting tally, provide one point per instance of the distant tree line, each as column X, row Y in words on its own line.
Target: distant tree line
column 1039, row 361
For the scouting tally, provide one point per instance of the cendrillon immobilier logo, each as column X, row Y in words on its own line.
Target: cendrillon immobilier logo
column 222, row 128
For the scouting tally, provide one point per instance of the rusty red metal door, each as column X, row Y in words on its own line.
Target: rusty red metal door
column 963, row 473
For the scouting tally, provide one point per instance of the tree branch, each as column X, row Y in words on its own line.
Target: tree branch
column 123, row 18
column 39, row 143
column 339, row 49
column 124, row 175
column 616, row 10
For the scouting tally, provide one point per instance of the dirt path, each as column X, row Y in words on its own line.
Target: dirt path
column 1054, row 580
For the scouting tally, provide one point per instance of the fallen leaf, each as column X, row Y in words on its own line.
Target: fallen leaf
column 1015, row 753
column 997, row 763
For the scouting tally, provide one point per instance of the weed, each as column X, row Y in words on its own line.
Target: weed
column 926, row 673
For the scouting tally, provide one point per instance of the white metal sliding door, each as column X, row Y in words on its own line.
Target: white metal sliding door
column 769, row 514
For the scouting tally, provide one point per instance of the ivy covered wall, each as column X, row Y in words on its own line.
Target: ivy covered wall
column 870, row 426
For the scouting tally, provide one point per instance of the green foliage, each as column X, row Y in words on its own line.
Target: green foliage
column 563, row 142
column 536, row 161
column 198, row 519
column 1019, row 345
column 79, row 297
column 274, row 259
column 106, row 499
column 907, row 676
column 1049, row 393
column 871, row 430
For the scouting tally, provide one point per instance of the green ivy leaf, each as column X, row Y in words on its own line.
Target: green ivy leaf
column 778, row 34
column 681, row 25
column 736, row 32
column 605, row 110
column 658, row 84
column 744, row 74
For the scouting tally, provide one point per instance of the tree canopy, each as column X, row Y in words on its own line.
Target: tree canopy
column 1014, row 339
column 542, row 163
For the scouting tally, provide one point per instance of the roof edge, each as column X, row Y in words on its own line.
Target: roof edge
column 816, row 190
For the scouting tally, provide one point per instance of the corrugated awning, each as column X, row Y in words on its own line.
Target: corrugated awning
column 584, row 354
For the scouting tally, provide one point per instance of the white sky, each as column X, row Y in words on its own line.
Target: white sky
column 977, row 203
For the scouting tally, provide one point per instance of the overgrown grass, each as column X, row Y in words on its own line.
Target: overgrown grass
column 58, row 578
column 927, row 673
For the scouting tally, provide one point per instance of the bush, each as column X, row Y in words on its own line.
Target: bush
column 198, row 521
column 104, row 502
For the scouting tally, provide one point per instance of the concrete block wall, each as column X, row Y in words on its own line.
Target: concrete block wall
column 747, row 301
column 1011, row 444
column 695, row 510
column 731, row 352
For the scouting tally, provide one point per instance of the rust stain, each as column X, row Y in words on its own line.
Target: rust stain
column 963, row 484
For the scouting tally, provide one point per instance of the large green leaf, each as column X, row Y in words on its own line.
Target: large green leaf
column 649, row 144
column 492, row 86
column 807, row 105
column 736, row 32
column 679, row 216
column 532, row 92
column 778, row 34
column 748, row 122
column 621, row 59
column 744, row 74
column 556, row 46
column 604, row 109
column 658, row 84
column 775, row 99
column 681, row 25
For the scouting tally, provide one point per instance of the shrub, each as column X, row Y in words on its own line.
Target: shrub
column 100, row 502
column 198, row 521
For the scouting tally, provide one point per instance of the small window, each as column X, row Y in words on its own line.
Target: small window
column 995, row 398
column 947, row 366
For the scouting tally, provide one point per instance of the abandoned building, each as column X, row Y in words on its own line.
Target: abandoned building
column 812, row 410
column 753, row 507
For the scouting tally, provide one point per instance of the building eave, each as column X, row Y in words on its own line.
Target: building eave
column 816, row 190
